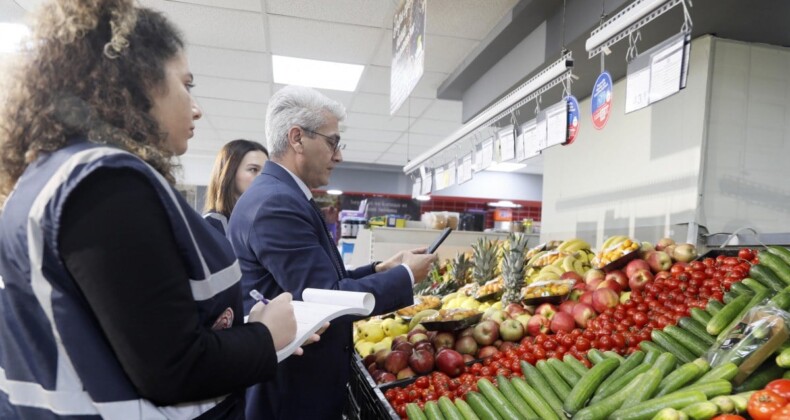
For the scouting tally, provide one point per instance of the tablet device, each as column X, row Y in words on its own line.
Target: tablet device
column 442, row 236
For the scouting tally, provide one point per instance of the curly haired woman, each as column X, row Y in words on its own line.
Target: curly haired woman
column 116, row 299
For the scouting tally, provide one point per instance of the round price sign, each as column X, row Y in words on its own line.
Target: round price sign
column 573, row 119
column 601, row 100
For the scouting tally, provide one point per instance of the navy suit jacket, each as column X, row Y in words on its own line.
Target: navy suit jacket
column 282, row 245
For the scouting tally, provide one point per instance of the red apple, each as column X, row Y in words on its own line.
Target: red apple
column 511, row 330
column 577, row 290
column 586, row 297
column 396, row 361
column 425, row 345
column 487, row 351
column 659, row 261
column 524, row 319
column 486, row 332
column 406, row 373
column 593, row 283
column 547, row 310
column 466, row 331
column 468, row 358
column 538, row 324
column 610, row 284
column 619, row 277
column 663, row 243
column 639, row 279
column 604, row 299
column 450, row 362
column 594, row 274
column 685, row 253
column 419, row 328
column 562, row 321
column 421, row 361
column 670, row 250
column 582, row 313
column 418, row 337
column 404, row 346
column 515, row 309
column 567, row 306
column 386, row 377
column 507, row 345
column 371, row 358
column 572, row 275
column 496, row 315
column 636, row 265
column 381, row 356
column 443, row 340
column 466, row 345
column 625, row 297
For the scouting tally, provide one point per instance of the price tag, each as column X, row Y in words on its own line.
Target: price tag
column 487, row 154
column 451, row 173
column 416, row 188
column 465, row 170
column 438, row 175
column 507, row 144
column 427, row 183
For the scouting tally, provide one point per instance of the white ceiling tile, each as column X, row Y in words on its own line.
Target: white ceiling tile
column 246, row 65
column 360, row 134
column 204, row 133
column 344, row 98
column 358, row 12
column 383, row 55
column 452, row 17
column 434, row 127
column 215, row 27
column 429, row 85
column 445, row 110
column 352, row 156
column 376, row 122
column 366, row 146
column 228, row 135
column 371, row 103
column 317, row 40
column 412, row 107
column 375, row 79
column 248, row 5
column 391, row 159
column 226, row 108
column 239, row 90
column 419, row 141
column 239, row 124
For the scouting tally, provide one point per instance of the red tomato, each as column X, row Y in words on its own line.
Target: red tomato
column 763, row 404
column 780, row 387
column 782, row 414
column 422, row 382
column 728, row 417
column 746, row 254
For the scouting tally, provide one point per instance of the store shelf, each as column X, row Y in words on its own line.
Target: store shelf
column 381, row 243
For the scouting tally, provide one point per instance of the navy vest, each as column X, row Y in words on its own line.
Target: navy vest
column 54, row 360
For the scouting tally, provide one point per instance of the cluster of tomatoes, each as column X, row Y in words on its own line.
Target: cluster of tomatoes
column 663, row 302
column 771, row 403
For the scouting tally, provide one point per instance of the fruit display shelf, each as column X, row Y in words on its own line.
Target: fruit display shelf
column 366, row 400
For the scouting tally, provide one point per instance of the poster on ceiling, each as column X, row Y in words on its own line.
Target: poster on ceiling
column 408, row 51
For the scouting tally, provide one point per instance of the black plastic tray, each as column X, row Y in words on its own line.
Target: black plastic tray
column 452, row 325
column 365, row 399
column 622, row 261
column 713, row 253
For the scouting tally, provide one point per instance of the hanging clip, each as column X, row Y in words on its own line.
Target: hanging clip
column 687, row 23
column 538, row 100
column 633, row 51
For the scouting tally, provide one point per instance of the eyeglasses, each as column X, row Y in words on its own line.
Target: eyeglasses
column 332, row 141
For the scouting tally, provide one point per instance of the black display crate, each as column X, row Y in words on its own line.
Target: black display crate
column 366, row 399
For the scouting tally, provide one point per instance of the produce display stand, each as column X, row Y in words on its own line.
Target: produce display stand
column 366, row 399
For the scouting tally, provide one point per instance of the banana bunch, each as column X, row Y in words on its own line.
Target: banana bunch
column 613, row 249
column 573, row 245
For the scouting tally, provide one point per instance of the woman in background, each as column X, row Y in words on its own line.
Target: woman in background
column 236, row 166
column 116, row 299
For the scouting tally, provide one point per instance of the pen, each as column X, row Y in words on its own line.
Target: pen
column 258, row 296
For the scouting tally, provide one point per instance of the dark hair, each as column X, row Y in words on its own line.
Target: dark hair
column 89, row 72
column 221, row 192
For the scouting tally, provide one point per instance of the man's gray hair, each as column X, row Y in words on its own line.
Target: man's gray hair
column 297, row 106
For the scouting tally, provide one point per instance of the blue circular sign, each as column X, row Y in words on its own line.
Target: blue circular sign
column 601, row 100
column 573, row 119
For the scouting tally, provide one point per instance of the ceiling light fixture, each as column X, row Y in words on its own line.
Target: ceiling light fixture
column 423, row 198
column 316, row 73
column 334, row 192
column 506, row 166
column 11, row 36
column 504, row 203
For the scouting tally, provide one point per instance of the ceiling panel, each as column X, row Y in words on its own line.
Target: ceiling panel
column 371, row 103
column 247, row 65
column 215, row 27
column 357, row 12
column 228, row 135
column 238, row 90
column 241, row 124
column 452, row 17
column 412, row 107
column 354, row 156
column 352, row 134
column 366, row 146
column 248, row 5
column 376, row 122
column 375, row 79
column 318, row 40
column 443, row 54
column 428, row 85
column 445, row 111
column 227, row 108
column 434, row 127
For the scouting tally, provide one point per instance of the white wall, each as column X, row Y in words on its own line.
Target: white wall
column 748, row 145
column 498, row 185
column 639, row 175
column 196, row 169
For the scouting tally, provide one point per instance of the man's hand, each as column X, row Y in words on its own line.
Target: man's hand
column 420, row 264
column 278, row 317
column 397, row 260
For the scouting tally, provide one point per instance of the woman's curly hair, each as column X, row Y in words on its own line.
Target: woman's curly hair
column 88, row 71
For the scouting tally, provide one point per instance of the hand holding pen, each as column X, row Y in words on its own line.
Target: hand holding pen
column 264, row 303
column 278, row 316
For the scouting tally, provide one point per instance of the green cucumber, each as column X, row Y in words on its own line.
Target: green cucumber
column 783, row 359
column 414, row 412
column 612, row 355
column 631, row 362
column 767, row 372
column 575, row 364
column 537, row 381
column 610, row 388
column 669, row 343
column 713, row 307
column 595, row 356
column 765, row 275
column 701, row 411
column 688, row 340
column 647, row 409
column 782, row 299
column 754, row 301
column 724, row 403
column 647, row 388
column 497, row 400
column 730, row 296
column 432, row 411
column 698, row 329
column 755, row 285
column 780, row 252
column 670, row 413
column 710, row 389
column 506, row 388
column 587, row 385
column 776, row 264
column 535, row 400
column 448, row 409
column 679, row 378
column 557, row 384
column 723, row 371
column 648, row 346
column 700, row 315
column 741, row 289
column 465, row 409
column 666, row 363
column 723, row 318
column 651, row 356
column 600, row 410
column 566, row 372
column 481, row 406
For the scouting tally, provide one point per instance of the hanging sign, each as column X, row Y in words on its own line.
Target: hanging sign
column 601, row 100
column 520, row 151
column 451, row 174
column 408, row 51
column 427, row 183
column 416, row 188
column 529, row 131
column 507, row 146
column 465, row 169
column 573, row 119
column 486, row 154
column 438, row 175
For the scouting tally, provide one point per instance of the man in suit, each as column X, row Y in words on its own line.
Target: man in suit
column 282, row 244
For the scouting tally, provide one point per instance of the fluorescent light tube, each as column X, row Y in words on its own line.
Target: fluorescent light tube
column 334, row 192
column 316, row 73
column 621, row 21
column 504, row 203
column 506, row 166
column 11, row 36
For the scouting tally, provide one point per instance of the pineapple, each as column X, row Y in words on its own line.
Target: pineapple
column 457, row 275
column 513, row 268
column 426, row 286
column 485, row 259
